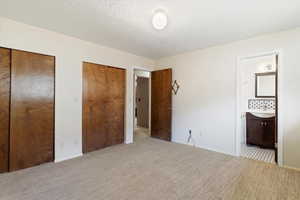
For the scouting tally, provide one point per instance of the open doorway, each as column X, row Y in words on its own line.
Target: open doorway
column 159, row 91
column 141, row 104
column 257, row 106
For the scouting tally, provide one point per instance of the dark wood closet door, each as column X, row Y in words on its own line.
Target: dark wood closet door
column 115, row 105
column 94, row 102
column 32, row 109
column 161, row 104
column 103, row 106
column 4, row 108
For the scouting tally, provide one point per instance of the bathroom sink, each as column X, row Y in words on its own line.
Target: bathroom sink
column 263, row 115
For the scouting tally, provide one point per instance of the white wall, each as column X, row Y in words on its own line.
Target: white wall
column 206, row 101
column 142, row 73
column 70, row 53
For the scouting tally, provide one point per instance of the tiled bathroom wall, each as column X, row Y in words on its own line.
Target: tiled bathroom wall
column 261, row 104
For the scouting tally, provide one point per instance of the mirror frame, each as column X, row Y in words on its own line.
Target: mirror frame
column 264, row 74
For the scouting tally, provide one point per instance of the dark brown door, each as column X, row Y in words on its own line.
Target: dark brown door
column 103, row 106
column 276, row 112
column 161, row 104
column 115, row 105
column 94, row 100
column 32, row 109
column 142, row 102
column 4, row 108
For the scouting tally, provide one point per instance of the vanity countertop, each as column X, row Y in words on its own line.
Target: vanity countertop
column 262, row 111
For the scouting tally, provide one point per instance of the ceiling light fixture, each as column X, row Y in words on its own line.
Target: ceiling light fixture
column 159, row 20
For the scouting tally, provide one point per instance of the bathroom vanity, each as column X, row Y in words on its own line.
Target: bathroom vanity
column 260, row 129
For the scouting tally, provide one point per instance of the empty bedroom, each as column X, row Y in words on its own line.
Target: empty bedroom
column 149, row 100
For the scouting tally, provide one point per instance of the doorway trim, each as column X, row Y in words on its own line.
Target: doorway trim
column 238, row 130
column 134, row 97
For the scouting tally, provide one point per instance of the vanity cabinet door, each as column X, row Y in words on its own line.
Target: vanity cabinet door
column 268, row 139
column 254, row 131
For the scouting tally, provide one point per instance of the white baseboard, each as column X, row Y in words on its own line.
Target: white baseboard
column 129, row 142
column 67, row 158
column 292, row 168
column 206, row 148
column 218, row 151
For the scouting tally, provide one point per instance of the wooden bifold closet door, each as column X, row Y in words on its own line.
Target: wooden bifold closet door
column 31, row 110
column 4, row 108
column 26, row 109
column 103, row 106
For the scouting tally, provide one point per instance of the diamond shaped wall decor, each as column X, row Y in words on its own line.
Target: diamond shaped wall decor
column 175, row 87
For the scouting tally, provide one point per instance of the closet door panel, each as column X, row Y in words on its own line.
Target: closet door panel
column 94, row 102
column 32, row 109
column 116, row 105
column 4, row 108
column 103, row 106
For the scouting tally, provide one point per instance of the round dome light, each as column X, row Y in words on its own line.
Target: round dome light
column 159, row 20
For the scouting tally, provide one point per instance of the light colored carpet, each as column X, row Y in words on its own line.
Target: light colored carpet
column 140, row 133
column 151, row 169
column 256, row 153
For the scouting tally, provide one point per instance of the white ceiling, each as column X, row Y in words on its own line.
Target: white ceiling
column 126, row 24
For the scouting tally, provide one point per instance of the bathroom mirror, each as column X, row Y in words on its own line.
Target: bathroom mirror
column 265, row 85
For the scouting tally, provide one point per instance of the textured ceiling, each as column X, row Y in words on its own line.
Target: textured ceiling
column 126, row 24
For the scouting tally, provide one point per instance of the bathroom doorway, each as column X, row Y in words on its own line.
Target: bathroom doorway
column 257, row 108
column 141, row 104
